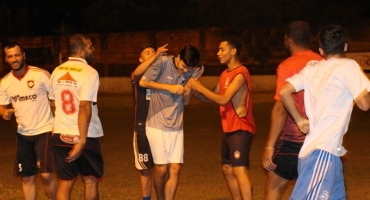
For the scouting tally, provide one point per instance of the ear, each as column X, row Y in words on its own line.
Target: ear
column 141, row 60
column 321, row 51
column 24, row 55
column 233, row 51
column 345, row 47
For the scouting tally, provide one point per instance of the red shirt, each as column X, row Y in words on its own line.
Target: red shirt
column 286, row 69
column 229, row 119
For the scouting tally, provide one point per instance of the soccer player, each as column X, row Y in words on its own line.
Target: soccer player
column 233, row 94
column 281, row 156
column 77, row 127
column 164, row 124
column 143, row 155
column 26, row 89
column 331, row 87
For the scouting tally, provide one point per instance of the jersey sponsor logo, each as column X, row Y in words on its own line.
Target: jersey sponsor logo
column 30, row 83
column 67, row 79
column 31, row 97
column 325, row 195
column 75, row 69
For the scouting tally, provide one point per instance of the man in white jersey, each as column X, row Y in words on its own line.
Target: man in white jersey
column 26, row 88
column 77, row 127
column 331, row 86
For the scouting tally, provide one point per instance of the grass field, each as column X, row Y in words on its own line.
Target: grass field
column 201, row 177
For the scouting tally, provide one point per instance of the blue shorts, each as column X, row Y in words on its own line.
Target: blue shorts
column 235, row 148
column 320, row 177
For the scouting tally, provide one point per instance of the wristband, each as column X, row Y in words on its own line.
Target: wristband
column 269, row 148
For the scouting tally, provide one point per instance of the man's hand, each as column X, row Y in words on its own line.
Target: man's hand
column 75, row 152
column 161, row 51
column 304, row 126
column 193, row 83
column 267, row 159
column 177, row 89
column 198, row 72
column 7, row 114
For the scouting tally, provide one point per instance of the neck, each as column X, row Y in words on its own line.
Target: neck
column 295, row 49
column 20, row 73
column 234, row 63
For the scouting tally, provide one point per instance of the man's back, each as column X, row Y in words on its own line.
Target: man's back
column 330, row 88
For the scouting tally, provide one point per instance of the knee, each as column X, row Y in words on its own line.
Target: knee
column 161, row 170
column 175, row 169
column 46, row 177
column 89, row 180
column 29, row 179
column 227, row 169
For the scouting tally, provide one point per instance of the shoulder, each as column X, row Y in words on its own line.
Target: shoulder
column 34, row 69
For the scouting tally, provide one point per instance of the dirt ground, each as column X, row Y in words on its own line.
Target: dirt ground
column 201, row 176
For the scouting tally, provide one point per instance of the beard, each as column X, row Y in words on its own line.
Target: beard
column 89, row 58
column 21, row 65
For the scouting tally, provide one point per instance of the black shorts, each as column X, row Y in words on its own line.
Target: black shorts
column 286, row 159
column 142, row 152
column 34, row 154
column 235, row 148
column 90, row 162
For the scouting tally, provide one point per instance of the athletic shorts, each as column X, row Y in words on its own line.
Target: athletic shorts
column 90, row 162
column 235, row 148
column 320, row 177
column 143, row 155
column 166, row 146
column 286, row 159
column 34, row 154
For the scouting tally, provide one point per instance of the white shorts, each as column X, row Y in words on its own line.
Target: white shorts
column 166, row 146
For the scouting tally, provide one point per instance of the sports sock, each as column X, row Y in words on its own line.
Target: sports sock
column 146, row 198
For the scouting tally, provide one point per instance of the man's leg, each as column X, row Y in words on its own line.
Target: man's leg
column 173, row 180
column 50, row 185
column 146, row 182
column 231, row 181
column 274, row 186
column 245, row 185
column 29, row 187
column 64, row 189
column 91, row 187
column 160, row 177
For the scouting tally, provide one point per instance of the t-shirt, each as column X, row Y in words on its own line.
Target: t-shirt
column 165, row 109
column 29, row 98
column 229, row 119
column 330, row 87
column 286, row 69
column 72, row 82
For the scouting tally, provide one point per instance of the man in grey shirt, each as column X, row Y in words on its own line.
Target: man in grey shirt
column 164, row 124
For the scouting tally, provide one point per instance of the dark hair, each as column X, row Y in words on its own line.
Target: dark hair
column 12, row 45
column 300, row 33
column 76, row 43
column 190, row 55
column 332, row 39
column 233, row 41
column 146, row 46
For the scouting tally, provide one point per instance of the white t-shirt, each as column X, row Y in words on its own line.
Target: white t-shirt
column 29, row 98
column 72, row 82
column 330, row 87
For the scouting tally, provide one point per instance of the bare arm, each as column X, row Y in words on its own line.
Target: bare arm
column 232, row 89
column 286, row 94
column 52, row 106
column 84, row 118
column 141, row 69
column 363, row 100
column 278, row 119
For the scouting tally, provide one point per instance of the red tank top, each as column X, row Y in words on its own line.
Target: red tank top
column 229, row 119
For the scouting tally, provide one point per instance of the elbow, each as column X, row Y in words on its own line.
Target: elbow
column 142, row 83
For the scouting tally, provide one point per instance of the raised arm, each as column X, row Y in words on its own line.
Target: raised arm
column 141, row 69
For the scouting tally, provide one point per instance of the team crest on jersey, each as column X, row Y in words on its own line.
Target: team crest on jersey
column 236, row 154
column 67, row 79
column 226, row 82
column 30, row 83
